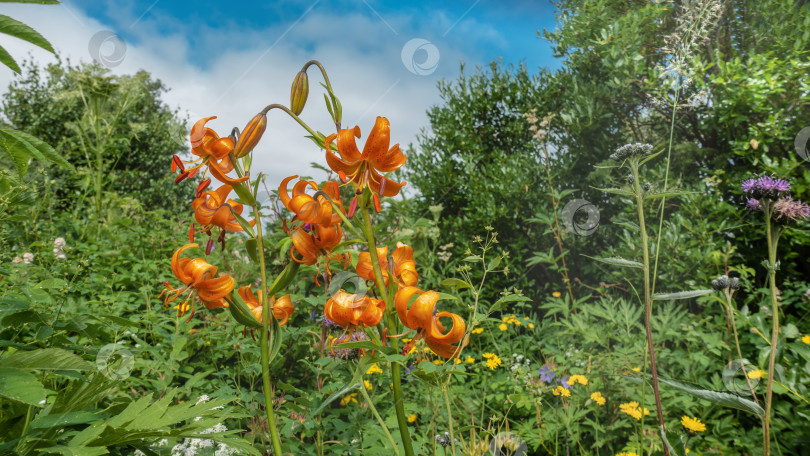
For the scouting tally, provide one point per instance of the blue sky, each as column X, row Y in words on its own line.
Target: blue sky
column 230, row 59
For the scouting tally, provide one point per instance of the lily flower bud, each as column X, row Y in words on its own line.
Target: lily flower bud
column 250, row 136
column 299, row 92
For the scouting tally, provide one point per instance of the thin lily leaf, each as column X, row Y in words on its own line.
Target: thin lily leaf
column 681, row 295
column 616, row 261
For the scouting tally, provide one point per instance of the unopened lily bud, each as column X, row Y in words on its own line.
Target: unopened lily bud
column 250, row 135
column 299, row 92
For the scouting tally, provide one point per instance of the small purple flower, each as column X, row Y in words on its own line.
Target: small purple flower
column 564, row 382
column 749, row 185
column 752, row 204
column 546, row 374
column 765, row 187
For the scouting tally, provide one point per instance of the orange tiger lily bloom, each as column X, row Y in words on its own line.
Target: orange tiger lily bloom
column 310, row 246
column 199, row 276
column 211, row 208
column 364, row 169
column 420, row 317
column 349, row 310
column 282, row 307
column 404, row 265
column 308, row 209
column 214, row 152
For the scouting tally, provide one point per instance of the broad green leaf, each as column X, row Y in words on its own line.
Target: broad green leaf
column 718, row 397
column 43, row 150
column 19, row 30
column 252, row 248
column 493, row 263
column 74, row 450
column 7, row 60
column 64, row 419
column 51, row 283
column 241, row 312
column 458, row 283
column 243, row 191
column 681, row 295
column 243, row 223
column 22, row 386
column 46, row 359
column 616, row 261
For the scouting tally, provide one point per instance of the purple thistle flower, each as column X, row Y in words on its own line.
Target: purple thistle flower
column 766, row 187
column 752, row 204
column 749, row 185
column 564, row 382
column 546, row 374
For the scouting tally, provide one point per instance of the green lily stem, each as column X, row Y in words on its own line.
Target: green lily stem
column 773, row 240
column 395, row 367
column 346, row 221
column 647, row 296
column 449, row 418
column 268, row 394
column 292, row 114
column 731, row 317
column 379, row 419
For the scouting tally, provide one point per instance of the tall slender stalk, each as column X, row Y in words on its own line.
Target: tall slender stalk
column 773, row 240
column 647, row 295
column 402, row 421
column 557, row 231
column 268, row 394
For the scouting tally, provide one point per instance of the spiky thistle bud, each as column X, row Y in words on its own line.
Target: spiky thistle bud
column 720, row 283
column 630, row 150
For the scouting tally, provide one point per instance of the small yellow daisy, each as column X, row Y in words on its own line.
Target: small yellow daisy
column 367, row 384
column 503, row 327
column 693, row 425
column 598, row 398
column 477, row 330
column 556, row 294
column 374, row 369
column 806, row 339
column 411, row 418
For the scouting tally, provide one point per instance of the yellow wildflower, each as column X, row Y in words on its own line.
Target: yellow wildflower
column 629, row 453
column 502, row 327
column 438, row 362
column 457, row 361
column 693, row 425
column 469, row 360
column 367, row 384
column 374, row 369
column 556, row 294
column 493, row 362
column 411, row 418
column 531, row 325
column 598, row 398
column 488, row 355
column 477, row 330
column 755, row 374
column 561, row 391
column 806, row 339
column 632, row 409
column 576, row 378
column 636, row 369
column 348, row 398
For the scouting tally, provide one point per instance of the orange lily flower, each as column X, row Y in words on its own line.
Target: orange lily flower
column 315, row 210
column 211, row 208
column 364, row 169
column 420, row 317
column 310, row 246
column 199, row 276
column 404, row 265
column 213, row 152
column 348, row 310
column 282, row 308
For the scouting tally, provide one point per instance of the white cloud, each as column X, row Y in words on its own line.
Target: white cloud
column 236, row 72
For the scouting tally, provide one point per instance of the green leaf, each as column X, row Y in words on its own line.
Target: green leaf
column 616, row 261
column 458, row 283
column 509, row 298
column 241, row 312
column 44, row 150
column 46, row 359
column 243, row 223
column 681, row 295
column 616, row 191
column 252, row 248
column 666, row 194
column 22, row 386
column 243, row 191
column 721, row 398
column 493, row 263
column 19, row 30
column 64, row 419
column 334, row 396
column 284, row 279
column 51, row 283
column 7, row 60
column 74, row 451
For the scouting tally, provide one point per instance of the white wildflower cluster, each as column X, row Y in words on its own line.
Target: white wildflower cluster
column 27, row 258
column 58, row 248
column 443, row 253
column 192, row 447
column 694, row 20
column 536, row 125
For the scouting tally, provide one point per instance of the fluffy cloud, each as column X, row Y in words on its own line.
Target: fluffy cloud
column 233, row 72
